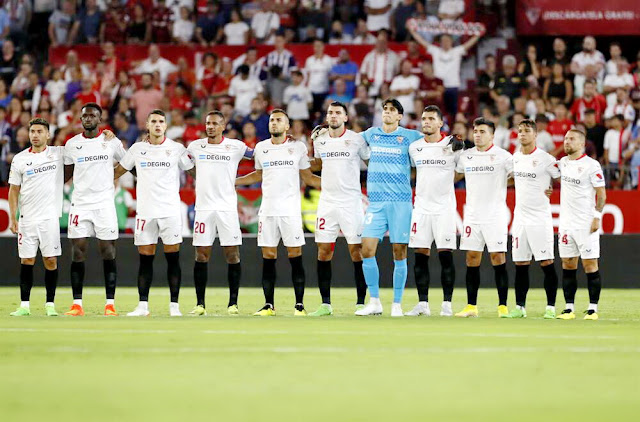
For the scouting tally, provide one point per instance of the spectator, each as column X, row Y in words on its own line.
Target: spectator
column 114, row 25
column 558, row 128
column 620, row 79
column 244, row 89
column 177, row 126
column 139, row 27
column 559, row 56
column 589, row 56
column 404, row 87
column 338, row 36
column 379, row 66
column 557, row 88
column 184, row 75
column 19, row 15
column 314, row 17
column 161, row 20
column 450, row 10
column 431, row 89
column 6, row 134
column 345, row 70
column 207, row 74
column 8, row 62
column 259, row 118
column 416, row 57
column 636, row 71
column 237, row 31
column 194, row 128
column 543, row 139
column 62, row 30
column 622, row 106
column 124, row 130
column 281, row 57
column 88, row 94
column 21, row 81
column 615, row 142
column 209, row 27
column 183, row 27
column 486, row 81
column 615, row 53
column 256, row 65
column 264, row 24
column 362, row 35
column 74, row 86
column 156, row 63
column 251, row 140
column 339, row 94
column 89, row 23
column 446, row 64
column 529, row 67
column 181, row 100
column 145, row 99
column 378, row 14
column 595, row 130
column 317, row 68
column 362, row 106
column 222, row 84
column 401, row 14
column 508, row 82
column 590, row 100
column 5, row 97
column 297, row 97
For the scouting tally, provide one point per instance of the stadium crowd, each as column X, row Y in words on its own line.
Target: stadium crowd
column 596, row 88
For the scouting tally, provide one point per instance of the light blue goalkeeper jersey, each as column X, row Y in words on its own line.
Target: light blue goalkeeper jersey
column 389, row 173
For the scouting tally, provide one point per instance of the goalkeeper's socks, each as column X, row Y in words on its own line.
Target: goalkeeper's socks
column 372, row 276
column 399, row 279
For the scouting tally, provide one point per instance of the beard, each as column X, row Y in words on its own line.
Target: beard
column 335, row 125
column 276, row 134
column 89, row 127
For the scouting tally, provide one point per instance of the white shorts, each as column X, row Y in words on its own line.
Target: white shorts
column 528, row 241
column 44, row 234
column 272, row 229
column 224, row 224
column 331, row 220
column 579, row 242
column 427, row 228
column 475, row 236
column 169, row 229
column 101, row 223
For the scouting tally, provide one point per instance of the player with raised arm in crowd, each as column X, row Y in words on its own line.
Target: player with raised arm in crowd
column 35, row 191
column 280, row 164
column 158, row 163
column 216, row 159
column 582, row 199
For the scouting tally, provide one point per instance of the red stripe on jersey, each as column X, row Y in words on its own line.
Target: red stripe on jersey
column 99, row 133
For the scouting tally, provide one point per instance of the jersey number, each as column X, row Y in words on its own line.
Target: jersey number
column 320, row 223
column 19, row 238
column 140, row 224
column 565, row 240
column 73, row 219
column 414, row 228
column 467, row 231
column 260, row 227
column 515, row 242
column 199, row 228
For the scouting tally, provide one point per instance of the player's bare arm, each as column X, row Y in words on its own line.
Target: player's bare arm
column 68, row 172
column 310, row 179
column 601, row 199
column 14, row 193
column 249, row 179
column 119, row 171
column 192, row 172
column 458, row 177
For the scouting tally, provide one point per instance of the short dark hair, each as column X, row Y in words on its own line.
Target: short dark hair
column 243, row 69
column 541, row 118
column 38, row 121
column 395, row 103
column 528, row 123
column 482, row 121
column 94, row 106
column 158, row 112
column 433, row 109
column 339, row 104
column 296, row 72
column 279, row 111
column 216, row 113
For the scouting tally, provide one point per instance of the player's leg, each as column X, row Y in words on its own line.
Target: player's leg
column 200, row 277
column 50, row 283
column 234, row 272
column 541, row 241
column 293, row 240
column 325, row 255
column 268, row 239
column 550, row 287
column 355, row 251
column 352, row 225
column 375, row 226
column 420, row 240
column 26, row 284
column 79, row 247
column 174, row 276
column 146, row 239
column 105, row 225
column 496, row 236
column 444, row 228
column 521, row 252
column 569, row 253
column 473, row 242
column 590, row 252
column 50, row 248
column 399, row 218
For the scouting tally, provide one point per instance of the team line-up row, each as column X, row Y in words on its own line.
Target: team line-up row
column 390, row 151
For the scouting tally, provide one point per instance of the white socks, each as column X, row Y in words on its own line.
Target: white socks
column 593, row 307
column 24, row 304
column 551, row 308
column 570, row 306
column 77, row 302
column 143, row 305
column 111, row 301
column 375, row 301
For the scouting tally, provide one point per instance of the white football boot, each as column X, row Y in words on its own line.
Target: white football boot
column 422, row 308
column 396, row 310
column 174, row 309
column 373, row 308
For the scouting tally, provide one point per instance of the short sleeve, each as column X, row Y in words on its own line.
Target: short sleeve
column 508, row 163
column 412, row 152
column 15, row 174
column 128, row 162
column 459, row 50
column 118, row 149
column 68, row 159
column 596, row 176
column 303, row 163
column 316, row 152
column 186, row 160
column 460, row 166
column 553, row 169
column 366, row 135
column 364, row 151
column 256, row 159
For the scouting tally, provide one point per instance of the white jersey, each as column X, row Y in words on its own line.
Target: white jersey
column 40, row 177
column 216, row 169
column 281, row 165
column 93, row 161
column 486, row 174
column 580, row 177
column 158, row 171
column 435, row 164
column 341, row 167
column 533, row 174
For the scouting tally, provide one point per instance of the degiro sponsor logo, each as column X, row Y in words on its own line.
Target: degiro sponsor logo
column 524, row 174
column 41, row 170
column 337, row 154
column 432, row 162
column 384, row 150
column 277, row 163
column 154, row 164
column 480, row 169
column 214, row 157
column 92, row 158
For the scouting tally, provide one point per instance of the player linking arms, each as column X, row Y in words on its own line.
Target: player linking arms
column 389, row 191
column 582, row 199
column 280, row 164
column 486, row 169
column 532, row 228
column 36, row 181
column 216, row 160
column 339, row 152
column 158, row 164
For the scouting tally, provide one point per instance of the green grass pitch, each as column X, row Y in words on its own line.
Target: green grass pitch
column 341, row 368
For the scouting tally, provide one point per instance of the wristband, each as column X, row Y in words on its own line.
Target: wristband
column 597, row 214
